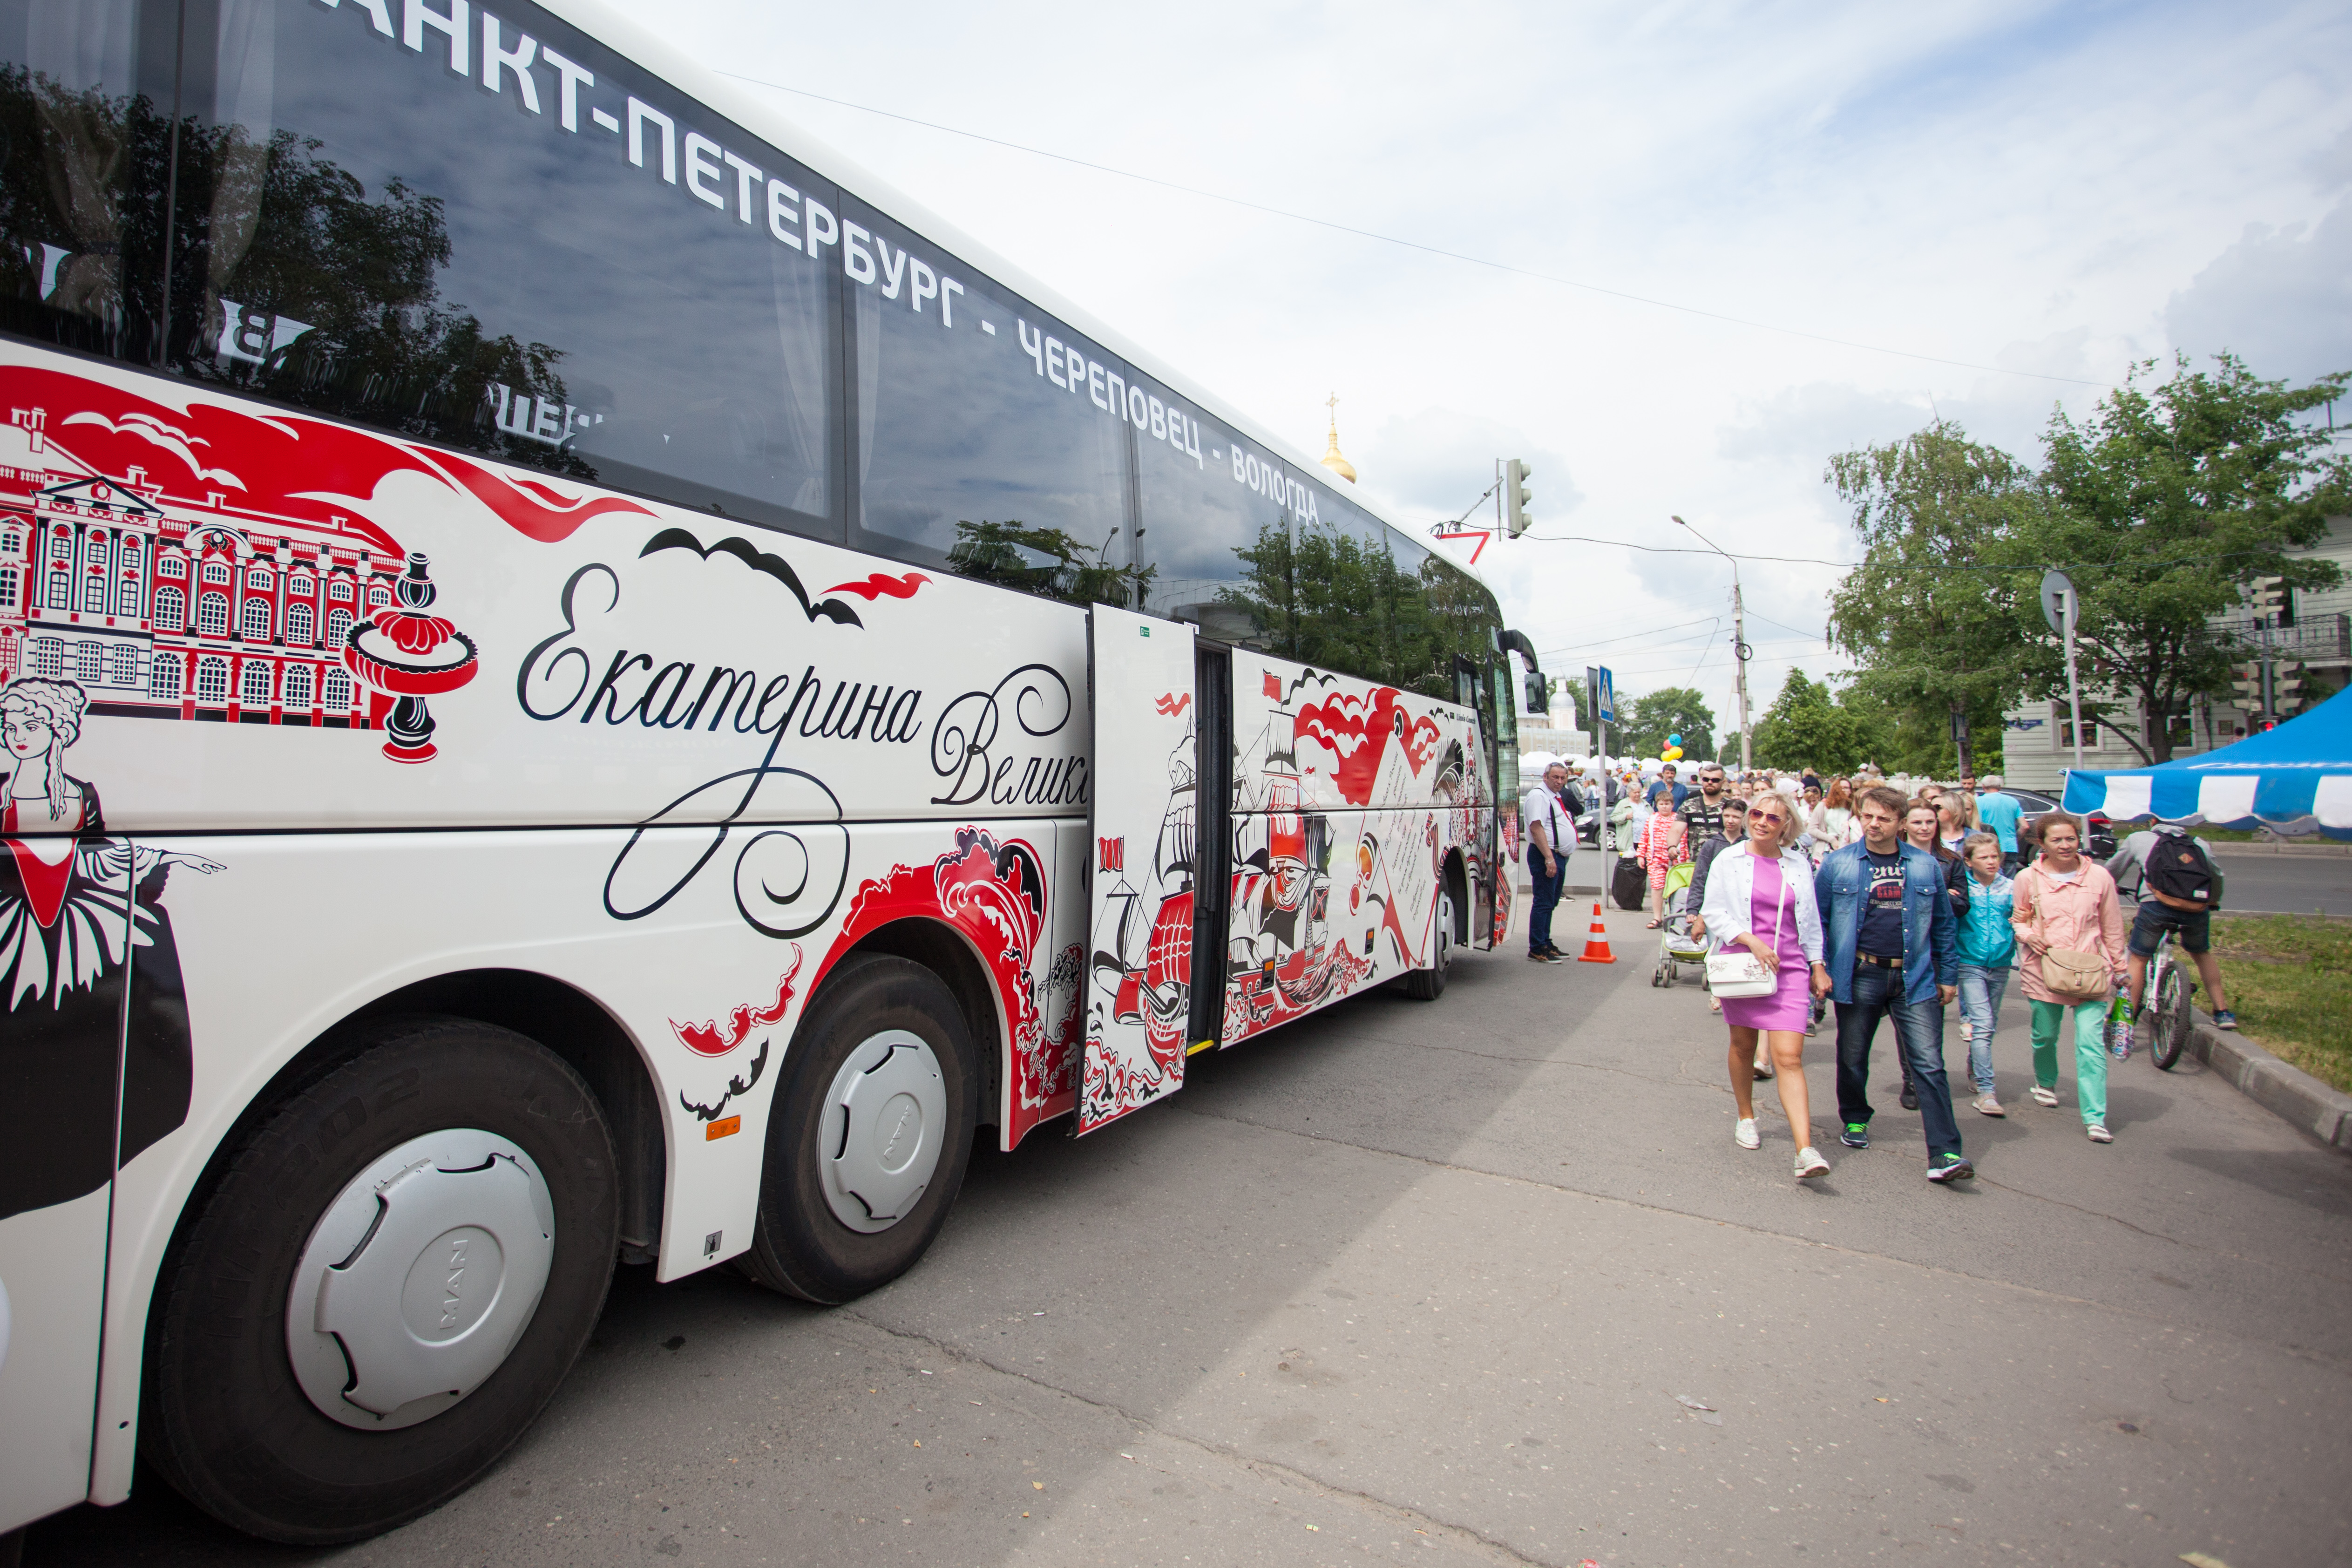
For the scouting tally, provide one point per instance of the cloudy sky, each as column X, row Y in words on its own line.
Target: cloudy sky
column 2020, row 198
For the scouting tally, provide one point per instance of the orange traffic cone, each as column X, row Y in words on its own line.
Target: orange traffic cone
column 1596, row 946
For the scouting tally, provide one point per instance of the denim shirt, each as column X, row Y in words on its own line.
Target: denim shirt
column 1930, row 929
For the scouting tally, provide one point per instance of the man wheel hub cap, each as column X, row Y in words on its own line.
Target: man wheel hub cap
column 419, row 1279
column 885, row 1120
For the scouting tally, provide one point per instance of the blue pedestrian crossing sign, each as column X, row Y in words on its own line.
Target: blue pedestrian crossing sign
column 1601, row 693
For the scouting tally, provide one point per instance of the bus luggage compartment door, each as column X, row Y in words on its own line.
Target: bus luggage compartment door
column 1145, row 863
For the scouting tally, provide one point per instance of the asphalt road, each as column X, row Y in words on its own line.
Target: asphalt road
column 2287, row 884
column 1444, row 1284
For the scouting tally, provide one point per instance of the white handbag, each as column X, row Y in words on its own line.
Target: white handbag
column 1735, row 975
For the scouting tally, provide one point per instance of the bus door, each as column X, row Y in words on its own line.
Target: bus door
column 1145, row 865
column 1499, row 711
column 60, row 1067
column 1471, row 692
column 1213, row 895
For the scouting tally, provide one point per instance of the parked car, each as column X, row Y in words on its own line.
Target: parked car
column 2101, row 837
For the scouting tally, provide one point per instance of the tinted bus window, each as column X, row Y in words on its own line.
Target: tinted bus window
column 985, row 442
column 491, row 232
column 85, row 146
column 1218, row 548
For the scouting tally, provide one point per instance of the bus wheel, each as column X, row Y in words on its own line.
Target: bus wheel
column 1429, row 984
column 392, row 1275
column 869, row 1135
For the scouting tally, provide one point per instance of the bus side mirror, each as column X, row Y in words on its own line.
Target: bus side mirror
column 1538, row 693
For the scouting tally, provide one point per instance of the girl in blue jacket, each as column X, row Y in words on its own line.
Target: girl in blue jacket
column 1987, row 945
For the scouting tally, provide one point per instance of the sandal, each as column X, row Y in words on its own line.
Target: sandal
column 1655, row 924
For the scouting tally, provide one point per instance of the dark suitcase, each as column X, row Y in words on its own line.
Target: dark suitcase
column 1630, row 885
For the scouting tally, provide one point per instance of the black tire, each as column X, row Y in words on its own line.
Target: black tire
column 2173, row 1020
column 798, row 1247
column 1429, row 984
column 224, row 1419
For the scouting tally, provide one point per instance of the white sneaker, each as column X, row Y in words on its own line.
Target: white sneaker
column 2099, row 1133
column 1745, row 1135
column 2044, row 1096
column 1811, row 1163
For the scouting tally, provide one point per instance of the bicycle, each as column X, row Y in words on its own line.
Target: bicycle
column 2164, row 998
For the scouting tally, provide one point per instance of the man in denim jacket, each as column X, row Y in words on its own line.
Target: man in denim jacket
column 1893, row 948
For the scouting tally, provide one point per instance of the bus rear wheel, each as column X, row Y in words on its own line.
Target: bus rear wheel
column 1429, row 984
column 392, row 1273
column 869, row 1136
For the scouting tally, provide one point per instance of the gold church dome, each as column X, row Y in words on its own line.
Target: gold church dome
column 1331, row 458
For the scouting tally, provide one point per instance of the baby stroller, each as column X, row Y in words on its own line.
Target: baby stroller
column 1676, row 945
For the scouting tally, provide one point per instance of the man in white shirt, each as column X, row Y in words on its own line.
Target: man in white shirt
column 1550, row 820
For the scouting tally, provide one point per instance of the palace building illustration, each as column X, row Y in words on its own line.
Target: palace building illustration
column 162, row 607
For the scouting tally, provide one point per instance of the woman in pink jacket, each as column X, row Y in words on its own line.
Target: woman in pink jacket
column 2064, row 901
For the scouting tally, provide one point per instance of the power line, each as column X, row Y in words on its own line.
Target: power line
column 1957, row 566
column 1414, row 243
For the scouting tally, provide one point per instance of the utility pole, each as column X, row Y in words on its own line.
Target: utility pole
column 1739, row 650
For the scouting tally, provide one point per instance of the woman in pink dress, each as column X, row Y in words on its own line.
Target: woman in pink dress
column 1759, row 897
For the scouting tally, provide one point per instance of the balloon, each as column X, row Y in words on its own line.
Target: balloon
column 1674, row 740
column 1671, row 754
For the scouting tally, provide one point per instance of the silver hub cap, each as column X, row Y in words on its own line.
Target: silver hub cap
column 884, row 1119
column 419, row 1279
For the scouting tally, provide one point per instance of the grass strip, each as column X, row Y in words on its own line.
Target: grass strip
column 2289, row 981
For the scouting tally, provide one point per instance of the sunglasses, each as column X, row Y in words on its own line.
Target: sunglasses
column 1772, row 817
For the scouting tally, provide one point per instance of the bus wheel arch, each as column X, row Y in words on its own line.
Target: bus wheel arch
column 948, row 953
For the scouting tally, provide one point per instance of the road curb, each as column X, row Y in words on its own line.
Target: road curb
column 2285, row 1091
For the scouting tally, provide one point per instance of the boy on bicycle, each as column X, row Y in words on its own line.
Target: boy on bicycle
column 2180, row 888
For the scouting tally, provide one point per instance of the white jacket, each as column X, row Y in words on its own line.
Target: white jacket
column 1731, row 889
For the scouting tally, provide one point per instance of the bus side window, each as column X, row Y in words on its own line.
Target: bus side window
column 85, row 107
column 567, row 266
column 985, row 442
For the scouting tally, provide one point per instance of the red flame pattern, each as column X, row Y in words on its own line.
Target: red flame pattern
column 710, row 1038
column 876, row 585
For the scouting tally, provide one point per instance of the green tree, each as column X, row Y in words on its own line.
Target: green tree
column 1935, row 630
column 1644, row 722
column 1808, row 727
column 2165, row 504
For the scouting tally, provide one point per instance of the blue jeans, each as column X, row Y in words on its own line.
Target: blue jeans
column 1547, row 898
column 1918, row 1036
column 1980, row 992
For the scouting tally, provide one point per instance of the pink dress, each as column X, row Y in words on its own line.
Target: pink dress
column 1792, row 1006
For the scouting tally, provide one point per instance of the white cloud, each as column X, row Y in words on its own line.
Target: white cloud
column 2279, row 298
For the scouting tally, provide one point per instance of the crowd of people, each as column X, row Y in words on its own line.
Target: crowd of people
column 1887, row 902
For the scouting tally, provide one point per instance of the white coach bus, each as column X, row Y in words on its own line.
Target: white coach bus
column 584, row 683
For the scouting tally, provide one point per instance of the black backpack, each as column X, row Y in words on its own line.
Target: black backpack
column 2178, row 873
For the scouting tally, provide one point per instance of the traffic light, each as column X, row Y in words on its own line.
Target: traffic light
column 1516, row 497
column 2273, row 602
column 2286, row 681
column 2246, row 680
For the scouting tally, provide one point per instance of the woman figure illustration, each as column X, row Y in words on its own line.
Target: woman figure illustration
column 80, row 923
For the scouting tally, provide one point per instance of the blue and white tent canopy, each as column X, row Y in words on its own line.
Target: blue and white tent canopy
column 2294, row 779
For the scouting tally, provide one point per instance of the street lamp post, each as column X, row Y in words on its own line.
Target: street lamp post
column 1738, row 650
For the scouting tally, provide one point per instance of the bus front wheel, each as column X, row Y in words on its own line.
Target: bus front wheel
column 395, row 1270
column 870, row 1134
